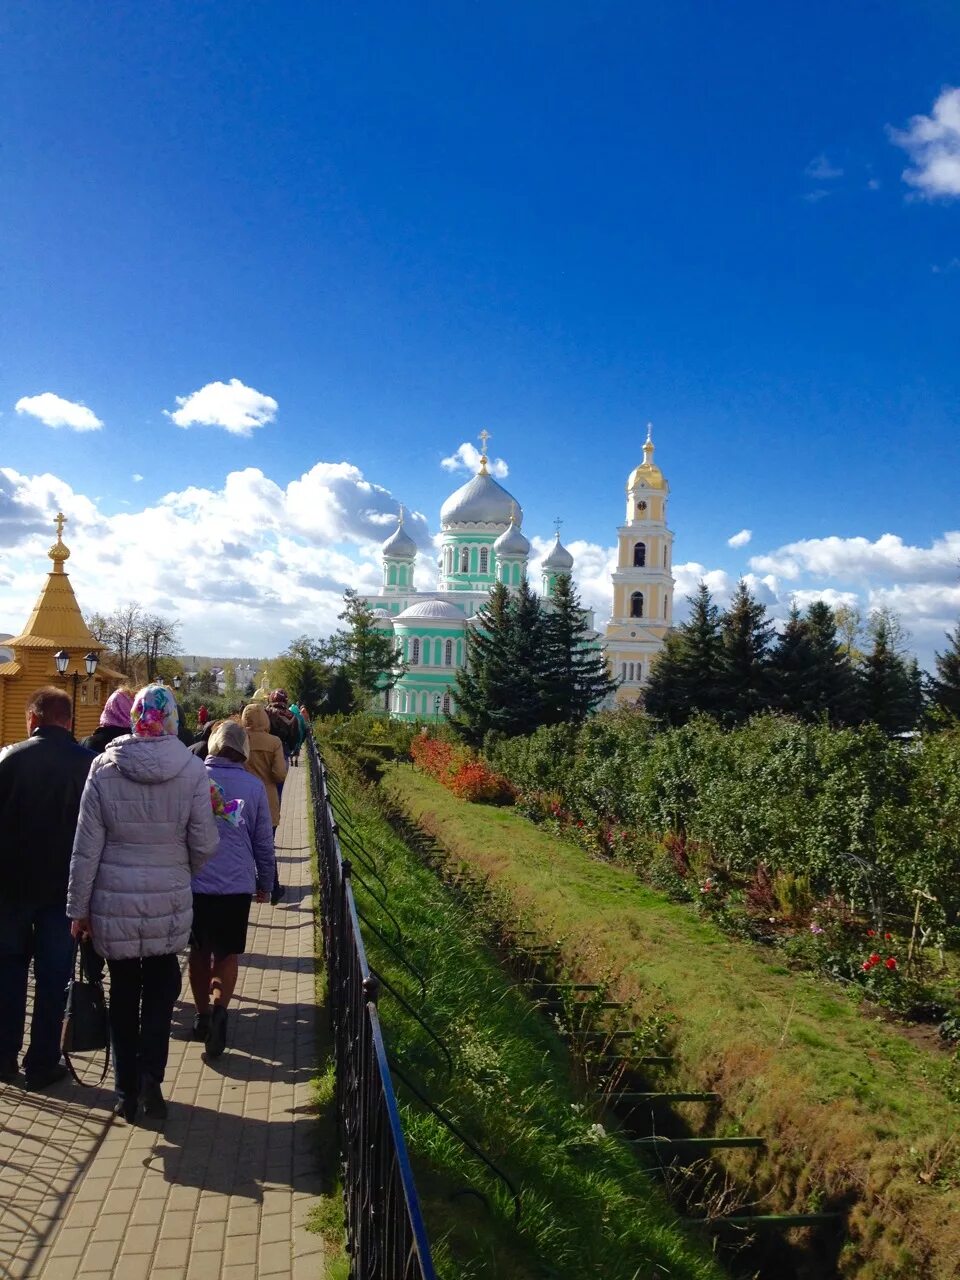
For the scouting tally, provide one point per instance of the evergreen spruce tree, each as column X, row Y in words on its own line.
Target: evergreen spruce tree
column 687, row 676
column 831, row 684
column 745, row 682
column 945, row 685
column 664, row 694
column 369, row 658
column 889, row 684
column 790, row 663
column 501, row 686
column 575, row 678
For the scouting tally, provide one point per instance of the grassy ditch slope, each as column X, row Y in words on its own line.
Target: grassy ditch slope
column 853, row 1113
column 587, row 1208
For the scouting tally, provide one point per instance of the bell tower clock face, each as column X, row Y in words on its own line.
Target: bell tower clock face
column 641, row 507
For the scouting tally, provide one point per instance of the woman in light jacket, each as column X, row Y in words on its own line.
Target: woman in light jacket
column 146, row 827
column 266, row 756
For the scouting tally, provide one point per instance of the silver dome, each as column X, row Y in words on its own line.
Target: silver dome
column 559, row 558
column 512, row 543
column 430, row 609
column 480, row 501
column 400, row 546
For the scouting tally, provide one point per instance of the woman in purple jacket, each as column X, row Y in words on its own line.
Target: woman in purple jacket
column 242, row 867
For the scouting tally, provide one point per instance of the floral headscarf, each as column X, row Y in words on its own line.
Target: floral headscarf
column 154, row 713
column 116, row 710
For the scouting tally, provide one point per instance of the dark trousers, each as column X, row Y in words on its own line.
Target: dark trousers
column 142, row 995
column 40, row 934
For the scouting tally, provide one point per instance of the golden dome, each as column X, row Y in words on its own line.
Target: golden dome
column 648, row 473
column 59, row 551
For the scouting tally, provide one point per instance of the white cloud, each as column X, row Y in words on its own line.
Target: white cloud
column 467, row 458
column 829, row 595
column 858, row 558
column 814, row 197
column 136, row 477
column 249, row 564
column 740, row 539
column 231, row 405
column 821, row 169
column 873, row 184
column 946, row 268
column 54, row 411
column 933, row 144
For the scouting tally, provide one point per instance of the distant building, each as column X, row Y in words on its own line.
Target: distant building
column 481, row 544
column 642, row 612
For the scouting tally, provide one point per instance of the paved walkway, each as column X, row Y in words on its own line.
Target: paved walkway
column 225, row 1190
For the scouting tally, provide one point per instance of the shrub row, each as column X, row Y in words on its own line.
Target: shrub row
column 851, row 811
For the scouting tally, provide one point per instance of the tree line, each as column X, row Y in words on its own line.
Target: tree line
column 731, row 665
column 138, row 641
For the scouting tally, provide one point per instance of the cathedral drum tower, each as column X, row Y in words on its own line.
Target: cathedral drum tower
column 643, row 581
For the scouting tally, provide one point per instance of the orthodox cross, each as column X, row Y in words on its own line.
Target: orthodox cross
column 556, row 524
column 483, row 438
column 60, row 521
column 401, row 513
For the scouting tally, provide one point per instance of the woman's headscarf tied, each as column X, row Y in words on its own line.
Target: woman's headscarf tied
column 154, row 713
column 116, row 710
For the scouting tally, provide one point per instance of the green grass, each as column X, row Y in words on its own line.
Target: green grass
column 588, row 1208
column 853, row 1111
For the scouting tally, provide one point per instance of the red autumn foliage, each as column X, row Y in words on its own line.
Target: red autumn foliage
column 461, row 772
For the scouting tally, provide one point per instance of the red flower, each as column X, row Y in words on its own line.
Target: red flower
column 866, row 966
column 890, row 962
column 870, row 933
column 874, row 959
column 887, row 936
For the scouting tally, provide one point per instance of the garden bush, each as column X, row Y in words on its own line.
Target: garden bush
column 847, row 812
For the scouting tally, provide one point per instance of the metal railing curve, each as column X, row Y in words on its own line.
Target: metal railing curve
column 386, row 1236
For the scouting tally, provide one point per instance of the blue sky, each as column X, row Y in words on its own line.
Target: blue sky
column 398, row 224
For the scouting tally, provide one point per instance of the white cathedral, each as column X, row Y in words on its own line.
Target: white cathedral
column 482, row 543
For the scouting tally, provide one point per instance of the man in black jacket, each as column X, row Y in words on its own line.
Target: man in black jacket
column 41, row 781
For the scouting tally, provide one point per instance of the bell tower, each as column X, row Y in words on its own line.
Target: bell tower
column 643, row 579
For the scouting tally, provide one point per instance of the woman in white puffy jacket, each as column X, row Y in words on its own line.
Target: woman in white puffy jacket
column 146, row 828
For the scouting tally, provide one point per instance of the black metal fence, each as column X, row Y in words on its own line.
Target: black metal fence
column 386, row 1237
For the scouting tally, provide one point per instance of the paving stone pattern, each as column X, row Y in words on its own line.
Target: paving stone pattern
column 225, row 1190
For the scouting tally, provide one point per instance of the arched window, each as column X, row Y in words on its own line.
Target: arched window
column 664, row 606
column 392, row 575
column 664, row 557
column 630, row 669
column 484, row 559
column 465, row 560
column 623, row 671
column 448, row 654
column 415, row 651
column 636, row 605
column 639, row 555
column 446, row 704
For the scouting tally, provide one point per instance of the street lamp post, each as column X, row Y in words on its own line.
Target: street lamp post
column 436, row 706
column 90, row 660
column 177, row 679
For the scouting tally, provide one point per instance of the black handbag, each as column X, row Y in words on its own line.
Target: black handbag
column 85, row 1025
